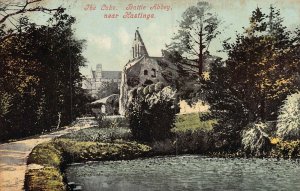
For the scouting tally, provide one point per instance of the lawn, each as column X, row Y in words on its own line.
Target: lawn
column 192, row 122
column 120, row 130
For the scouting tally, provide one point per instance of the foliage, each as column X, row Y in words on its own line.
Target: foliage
column 40, row 78
column 46, row 154
column 152, row 115
column 184, row 142
column 255, row 141
column 79, row 151
column 288, row 122
column 250, row 85
column 198, row 27
column 14, row 15
column 286, row 149
column 225, row 107
column 82, row 151
column 96, row 134
column 107, row 130
column 107, row 89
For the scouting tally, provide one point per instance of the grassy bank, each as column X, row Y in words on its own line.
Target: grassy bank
column 190, row 136
column 191, row 121
column 54, row 155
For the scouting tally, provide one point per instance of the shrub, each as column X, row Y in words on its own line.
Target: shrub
column 286, row 149
column 255, row 141
column 151, row 88
column 194, row 142
column 102, row 121
column 288, row 122
column 146, row 90
column 184, row 142
column 151, row 117
column 158, row 86
column 140, row 91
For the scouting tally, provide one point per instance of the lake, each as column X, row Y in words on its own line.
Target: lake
column 187, row 172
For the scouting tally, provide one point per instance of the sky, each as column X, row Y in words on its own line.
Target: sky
column 109, row 40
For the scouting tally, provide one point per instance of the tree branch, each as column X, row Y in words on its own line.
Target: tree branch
column 24, row 9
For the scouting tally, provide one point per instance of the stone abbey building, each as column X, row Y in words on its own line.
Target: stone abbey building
column 95, row 80
column 142, row 70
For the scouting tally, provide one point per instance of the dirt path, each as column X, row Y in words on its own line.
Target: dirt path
column 13, row 156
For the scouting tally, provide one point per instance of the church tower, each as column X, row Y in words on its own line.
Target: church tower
column 138, row 46
column 99, row 71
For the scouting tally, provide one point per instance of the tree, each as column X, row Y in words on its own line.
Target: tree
column 108, row 88
column 259, row 61
column 251, row 84
column 40, row 77
column 10, row 12
column 198, row 27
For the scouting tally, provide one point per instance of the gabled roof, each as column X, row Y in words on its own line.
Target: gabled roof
column 111, row 74
column 133, row 62
column 137, row 37
column 106, row 99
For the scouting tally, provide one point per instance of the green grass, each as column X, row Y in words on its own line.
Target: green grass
column 192, row 122
column 75, row 151
column 53, row 156
column 97, row 134
column 46, row 179
column 46, row 154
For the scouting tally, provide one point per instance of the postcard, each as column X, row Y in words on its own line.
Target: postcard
column 144, row 95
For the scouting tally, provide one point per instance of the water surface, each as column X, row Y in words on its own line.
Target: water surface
column 178, row 173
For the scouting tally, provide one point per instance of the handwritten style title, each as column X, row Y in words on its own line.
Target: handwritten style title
column 131, row 11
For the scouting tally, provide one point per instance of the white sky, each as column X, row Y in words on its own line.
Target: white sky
column 109, row 40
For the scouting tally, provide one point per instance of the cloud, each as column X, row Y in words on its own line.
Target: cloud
column 154, row 42
column 102, row 41
column 123, row 36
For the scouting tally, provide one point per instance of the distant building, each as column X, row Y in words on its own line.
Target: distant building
column 98, row 77
column 108, row 105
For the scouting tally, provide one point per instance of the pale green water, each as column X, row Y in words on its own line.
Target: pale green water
column 193, row 172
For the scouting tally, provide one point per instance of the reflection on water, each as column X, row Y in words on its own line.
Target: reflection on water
column 187, row 173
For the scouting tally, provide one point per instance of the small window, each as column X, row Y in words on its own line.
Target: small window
column 153, row 73
column 145, row 72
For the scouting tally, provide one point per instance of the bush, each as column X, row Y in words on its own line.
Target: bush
column 151, row 117
column 255, row 141
column 159, row 86
column 184, row 142
column 146, row 90
column 140, row 90
column 288, row 122
column 286, row 149
column 151, row 88
column 194, row 142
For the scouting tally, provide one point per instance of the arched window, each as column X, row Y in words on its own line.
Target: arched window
column 145, row 72
column 153, row 73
